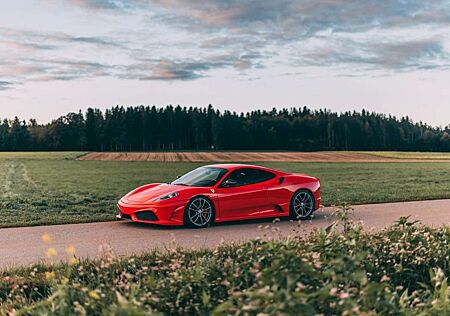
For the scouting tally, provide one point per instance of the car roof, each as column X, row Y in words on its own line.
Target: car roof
column 233, row 166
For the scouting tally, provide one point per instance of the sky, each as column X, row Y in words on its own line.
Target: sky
column 393, row 57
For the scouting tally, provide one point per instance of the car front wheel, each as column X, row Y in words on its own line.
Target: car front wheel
column 199, row 212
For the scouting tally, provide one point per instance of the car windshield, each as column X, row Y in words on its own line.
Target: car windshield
column 201, row 177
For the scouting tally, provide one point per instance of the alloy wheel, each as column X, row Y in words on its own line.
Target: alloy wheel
column 199, row 212
column 303, row 204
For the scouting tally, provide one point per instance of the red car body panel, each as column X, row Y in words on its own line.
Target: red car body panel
column 260, row 200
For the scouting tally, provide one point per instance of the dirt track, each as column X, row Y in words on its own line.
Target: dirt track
column 244, row 157
column 23, row 246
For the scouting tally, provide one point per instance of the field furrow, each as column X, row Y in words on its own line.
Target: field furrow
column 227, row 156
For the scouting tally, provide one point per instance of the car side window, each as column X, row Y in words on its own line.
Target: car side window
column 236, row 178
column 246, row 176
column 263, row 175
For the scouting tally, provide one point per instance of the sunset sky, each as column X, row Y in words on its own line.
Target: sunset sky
column 58, row 56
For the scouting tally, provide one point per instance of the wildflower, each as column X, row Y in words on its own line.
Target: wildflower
column 46, row 238
column 70, row 250
column 300, row 286
column 333, row 291
column 439, row 274
column 385, row 278
column 78, row 308
column 49, row 275
column 73, row 261
column 94, row 295
column 226, row 283
column 51, row 252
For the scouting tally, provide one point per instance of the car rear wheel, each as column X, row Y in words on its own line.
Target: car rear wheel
column 199, row 212
column 302, row 205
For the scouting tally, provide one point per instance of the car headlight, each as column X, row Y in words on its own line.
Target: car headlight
column 168, row 196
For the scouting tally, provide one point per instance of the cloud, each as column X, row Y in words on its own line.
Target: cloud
column 99, row 4
column 407, row 55
column 51, row 70
column 170, row 70
column 42, row 56
column 4, row 85
column 99, row 41
column 272, row 25
column 186, row 69
column 411, row 55
column 69, row 57
column 189, row 39
column 291, row 16
column 46, row 69
column 35, row 40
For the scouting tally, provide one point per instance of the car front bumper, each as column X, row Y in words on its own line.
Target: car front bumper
column 160, row 214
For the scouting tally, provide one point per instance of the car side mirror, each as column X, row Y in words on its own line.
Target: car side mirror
column 178, row 176
column 229, row 183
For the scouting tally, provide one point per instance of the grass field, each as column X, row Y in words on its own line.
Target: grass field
column 411, row 155
column 53, row 188
column 57, row 155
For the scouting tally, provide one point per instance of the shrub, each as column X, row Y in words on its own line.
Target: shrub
column 400, row 270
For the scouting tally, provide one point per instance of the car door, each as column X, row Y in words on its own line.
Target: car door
column 269, row 181
column 243, row 196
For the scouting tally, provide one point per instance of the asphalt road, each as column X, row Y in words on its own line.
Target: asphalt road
column 25, row 246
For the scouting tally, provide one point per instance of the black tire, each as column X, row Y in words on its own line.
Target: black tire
column 302, row 205
column 199, row 212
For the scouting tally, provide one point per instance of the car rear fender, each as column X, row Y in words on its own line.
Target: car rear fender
column 294, row 179
column 298, row 181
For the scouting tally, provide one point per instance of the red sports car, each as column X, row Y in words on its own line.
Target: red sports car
column 222, row 192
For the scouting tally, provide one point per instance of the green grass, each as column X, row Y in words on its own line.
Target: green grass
column 403, row 270
column 411, row 155
column 40, row 155
column 360, row 183
column 53, row 188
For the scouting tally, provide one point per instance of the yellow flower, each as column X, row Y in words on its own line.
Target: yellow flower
column 46, row 238
column 49, row 275
column 51, row 252
column 94, row 295
column 70, row 250
column 73, row 261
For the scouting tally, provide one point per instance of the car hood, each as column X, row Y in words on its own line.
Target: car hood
column 151, row 192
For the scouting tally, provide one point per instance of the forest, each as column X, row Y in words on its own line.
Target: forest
column 151, row 128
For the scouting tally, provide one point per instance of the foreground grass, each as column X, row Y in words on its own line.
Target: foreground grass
column 400, row 271
column 53, row 188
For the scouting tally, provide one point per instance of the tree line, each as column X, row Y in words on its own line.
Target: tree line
column 145, row 128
